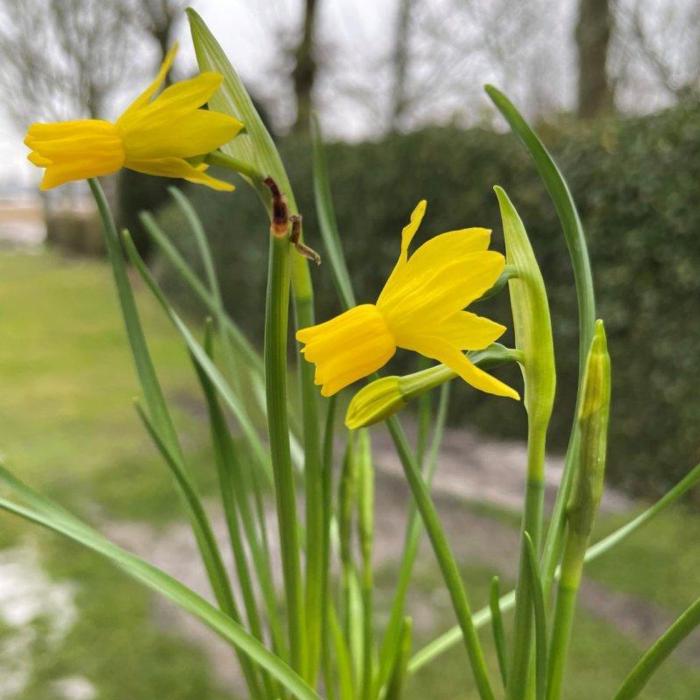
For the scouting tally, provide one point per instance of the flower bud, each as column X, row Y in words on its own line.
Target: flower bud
column 594, row 412
column 375, row 402
column 384, row 397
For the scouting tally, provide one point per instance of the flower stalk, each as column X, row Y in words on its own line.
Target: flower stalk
column 386, row 396
column 533, row 338
column 275, row 360
column 583, row 504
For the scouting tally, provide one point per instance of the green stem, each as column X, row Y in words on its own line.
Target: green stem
column 160, row 424
column 326, row 601
column 276, row 320
column 659, row 652
column 314, row 498
column 532, row 524
column 583, row 278
column 394, row 630
column 448, row 639
column 499, row 635
column 445, row 558
column 567, row 593
column 233, row 495
column 303, row 297
column 366, row 537
column 236, row 165
column 205, row 539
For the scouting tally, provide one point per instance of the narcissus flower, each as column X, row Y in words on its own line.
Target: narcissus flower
column 421, row 308
column 153, row 136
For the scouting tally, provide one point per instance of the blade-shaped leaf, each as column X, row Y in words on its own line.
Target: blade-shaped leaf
column 43, row 512
column 254, row 145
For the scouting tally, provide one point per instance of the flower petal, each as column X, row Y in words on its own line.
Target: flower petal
column 74, row 150
column 440, row 350
column 186, row 95
column 433, row 294
column 179, row 168
column 151, row 90
column 348, row 347
column 440, row 251
column 184, row 136
column 465, row 330
column 407, row 234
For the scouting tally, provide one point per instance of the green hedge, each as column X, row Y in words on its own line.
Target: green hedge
column 636, row 184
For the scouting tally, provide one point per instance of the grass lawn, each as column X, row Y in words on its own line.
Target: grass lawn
column 67, row 426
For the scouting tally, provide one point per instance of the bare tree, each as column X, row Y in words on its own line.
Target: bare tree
column 658, row 49
column 62, row 59
column 304, row 73
column 159, row 19
column 400, row 63
column 593, row 32
column 136, row 192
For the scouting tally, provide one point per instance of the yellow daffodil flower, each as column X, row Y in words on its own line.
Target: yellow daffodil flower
column 419, row 309
column 153, row 136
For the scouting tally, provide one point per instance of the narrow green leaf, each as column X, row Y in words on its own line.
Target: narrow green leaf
column 537, row 595
column 343, row 659
column 254, row 145
column 499, row 635
column 578, row 252
column 235, row 485
column 445, row 558
column 170, row 588
column 217, row 379
column 145, row 370
column 159, row 415
column 399, row 674
column 235, row 374
column 391, row 642
column 327, row 221
column 200, row 523
column 453, row 636
column 208, row 545
column 659, row 652
column 566, row 211
column 173, row 256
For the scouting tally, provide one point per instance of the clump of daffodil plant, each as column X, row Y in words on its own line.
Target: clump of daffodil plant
column 314, row 631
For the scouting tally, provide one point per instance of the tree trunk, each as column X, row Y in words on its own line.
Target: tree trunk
column 400, row 64
column 137, row 192
column 304, row 73
column 593, row 32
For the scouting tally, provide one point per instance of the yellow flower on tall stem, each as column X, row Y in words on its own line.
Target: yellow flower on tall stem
column 153, row 136
column 421, row 308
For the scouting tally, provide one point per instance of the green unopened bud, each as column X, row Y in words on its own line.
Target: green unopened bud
column 593, row 416
column 375, row 402
column 365, row 518
column 384, row 397
column 347, row 499
column 531, row 319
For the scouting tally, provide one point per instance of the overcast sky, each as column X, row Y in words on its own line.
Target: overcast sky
column 534, row 42
column 243, row 29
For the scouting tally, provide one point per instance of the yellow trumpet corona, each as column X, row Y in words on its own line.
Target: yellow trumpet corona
column 152, row 136
column 421, row 308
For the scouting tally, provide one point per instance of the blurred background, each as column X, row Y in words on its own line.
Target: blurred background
column 613, row 87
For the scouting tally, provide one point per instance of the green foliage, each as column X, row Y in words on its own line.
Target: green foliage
column 635, row 182
column 137, row 192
